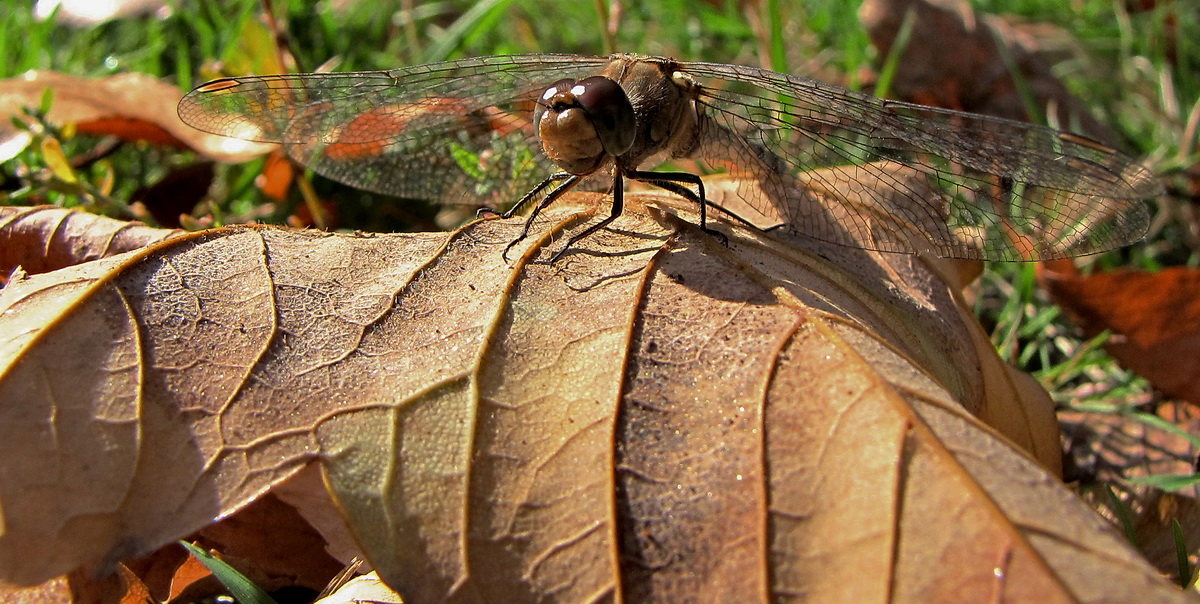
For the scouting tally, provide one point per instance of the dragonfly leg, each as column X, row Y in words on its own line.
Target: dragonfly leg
column 557, row 176
column 670, row 181
column 567, row 185
column 488, row 212
column 618, row 206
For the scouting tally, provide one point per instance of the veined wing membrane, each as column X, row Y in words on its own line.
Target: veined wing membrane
column 1008, row 190
column 457, row 132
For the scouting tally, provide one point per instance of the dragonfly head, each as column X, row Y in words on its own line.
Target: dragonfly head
column 582, row 123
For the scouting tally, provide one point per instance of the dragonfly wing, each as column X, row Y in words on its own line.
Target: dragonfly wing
column 459, row 131
column 890, row 176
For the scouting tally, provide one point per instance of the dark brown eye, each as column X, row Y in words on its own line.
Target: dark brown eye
column 603, row 104
column 611, row 113
column 597, row 92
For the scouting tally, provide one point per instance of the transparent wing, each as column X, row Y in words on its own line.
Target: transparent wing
column 883, row 175
column 458, row 132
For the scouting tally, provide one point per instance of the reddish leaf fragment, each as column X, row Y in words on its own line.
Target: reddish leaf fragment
column 121, row 586
column 1154, row 317
column 130, row 129
column 276, row 177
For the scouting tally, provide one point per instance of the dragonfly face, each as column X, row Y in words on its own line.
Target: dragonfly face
column 822, row 161
column 582, row 124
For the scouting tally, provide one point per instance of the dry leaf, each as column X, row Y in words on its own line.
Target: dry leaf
column 653, row 417
column 307, row 494
column 132, row 106
column 1109, row 449
column 45, row 238
column 55, row 591
column 270, row 543
column 1154, row 318
column 172, row 574
column 120, row 586
column 1155, row 531
column 192, row 582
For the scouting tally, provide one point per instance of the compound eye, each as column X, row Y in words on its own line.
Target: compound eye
column 598, row 91
column 611, row 113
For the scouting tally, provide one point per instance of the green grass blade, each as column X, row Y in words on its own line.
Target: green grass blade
column 1181, row 555
column 1124, row 516
column 1167, row 482
column 884, row 84
column 477, row 17
column 241, row 588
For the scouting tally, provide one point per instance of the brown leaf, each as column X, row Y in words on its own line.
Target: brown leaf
column 170, row 574
column 171, row 570
column 270, row 543
column 121, row 586
column 45, row 238
column 193, row 582
column 307, row 494
column 133, row 106
column 1110, row 448
column 653, row 417
column 1154, row 317
column 953, row 60
column 1155, row 530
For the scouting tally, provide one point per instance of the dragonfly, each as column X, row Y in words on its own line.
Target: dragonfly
column 809, row 158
